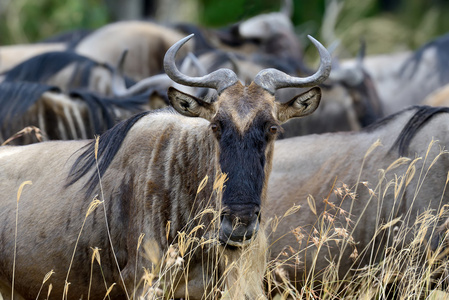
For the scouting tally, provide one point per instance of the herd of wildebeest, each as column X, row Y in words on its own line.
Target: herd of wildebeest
column 171, row 110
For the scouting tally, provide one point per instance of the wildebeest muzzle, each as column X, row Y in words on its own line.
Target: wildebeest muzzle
column 239, row 223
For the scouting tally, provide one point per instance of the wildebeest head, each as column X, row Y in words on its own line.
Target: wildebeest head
column 244, row 122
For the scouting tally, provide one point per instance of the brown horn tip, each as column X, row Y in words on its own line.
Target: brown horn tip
column 219, row 80
column 272, row 79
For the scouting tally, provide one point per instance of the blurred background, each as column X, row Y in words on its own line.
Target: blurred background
column 386, row 25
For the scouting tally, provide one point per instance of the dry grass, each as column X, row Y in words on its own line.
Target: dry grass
column 411, row 271
column 29, row 132
column 405, row 268
column 226, row 273
column 234, row 274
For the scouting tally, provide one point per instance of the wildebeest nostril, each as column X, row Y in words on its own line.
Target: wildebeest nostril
column 236, row 230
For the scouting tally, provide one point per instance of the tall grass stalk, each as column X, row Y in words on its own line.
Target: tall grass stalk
column 96, row 257
column 92, row 206
column 46, row 278
column 404, row 266
column 226, row 274
column 97, row 140
column 19, row 193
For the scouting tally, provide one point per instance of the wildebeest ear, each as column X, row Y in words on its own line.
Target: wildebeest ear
column 190, row 106
column 300, row 106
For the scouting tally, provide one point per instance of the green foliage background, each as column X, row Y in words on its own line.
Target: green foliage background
column 386, row 25
column 24, row 21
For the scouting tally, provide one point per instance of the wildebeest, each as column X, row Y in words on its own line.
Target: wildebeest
column 12, row 55
column 77, row 114
column 146, row 43
column 356, row 189
column 190, row 66
column 347, row 104
column 404, row 79
column 266, row 35
column 67, row 71
column 349, row 98
column 151, row 167
column 269, row 36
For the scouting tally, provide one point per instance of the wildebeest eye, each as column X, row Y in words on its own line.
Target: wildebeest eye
column 273, row 129
column 214, row 127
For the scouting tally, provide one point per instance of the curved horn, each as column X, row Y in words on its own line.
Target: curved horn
column 159, row 80
column 118, row 75
column 287, row 8
column 272, row 79
column 219, row 80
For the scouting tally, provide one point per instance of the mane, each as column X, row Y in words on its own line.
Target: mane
column 423, row 114
column 17, row 97
column 421, row 117
column 108, row 146
column 41, row 67
column 441, row 45
column 102, row 109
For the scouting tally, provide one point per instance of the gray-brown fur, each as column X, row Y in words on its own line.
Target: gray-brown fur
column 152, row 179
column 347, row 103
column 345, row 106
column 150, row 166
column 138, row 200
column 317, row 165
column 406, row 78
column 270, row 36
column 146, row 43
